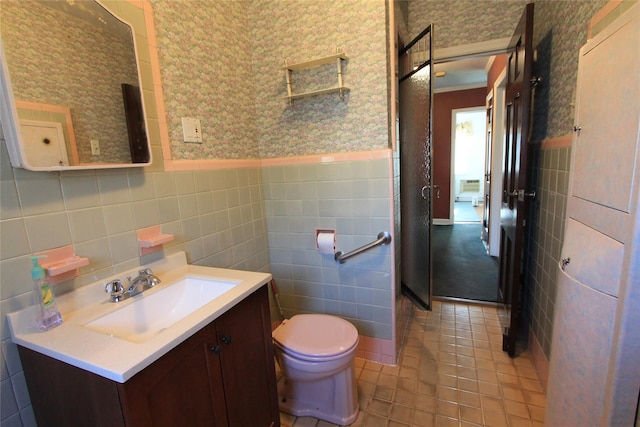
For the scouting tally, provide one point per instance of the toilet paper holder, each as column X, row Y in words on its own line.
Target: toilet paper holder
column 384, row 238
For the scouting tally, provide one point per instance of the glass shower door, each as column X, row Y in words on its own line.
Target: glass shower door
column 415, row 114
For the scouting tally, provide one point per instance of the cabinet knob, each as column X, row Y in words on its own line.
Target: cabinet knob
column 226, row 340
column 216, row 349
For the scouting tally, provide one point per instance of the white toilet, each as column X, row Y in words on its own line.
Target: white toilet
column 315, row 353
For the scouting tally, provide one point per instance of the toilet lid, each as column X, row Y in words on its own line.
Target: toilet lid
column 319, row 335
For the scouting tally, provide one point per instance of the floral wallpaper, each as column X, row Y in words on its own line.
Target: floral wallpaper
column 230, row 77
column 560, row 30
column 69, row 73
column 463, row 22
column 306, row 29
column 205, row 58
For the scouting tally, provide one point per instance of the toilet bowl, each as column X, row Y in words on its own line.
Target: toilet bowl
column 315, row 353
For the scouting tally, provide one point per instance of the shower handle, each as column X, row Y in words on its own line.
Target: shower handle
column 426, row 187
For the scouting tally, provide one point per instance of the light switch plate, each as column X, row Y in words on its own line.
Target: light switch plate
column 191, row 130
column 95, row 147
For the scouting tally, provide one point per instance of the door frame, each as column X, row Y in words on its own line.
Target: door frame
column 497, row 132
column 452, row 184
column 461, row 52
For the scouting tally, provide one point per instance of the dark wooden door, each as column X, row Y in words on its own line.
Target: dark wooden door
column 181, row 388
column 515, row 192
column 136, row 129
column 415, row 112
column 246, row 358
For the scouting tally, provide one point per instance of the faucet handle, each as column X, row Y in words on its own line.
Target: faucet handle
column 115, row 289
column 152, row 278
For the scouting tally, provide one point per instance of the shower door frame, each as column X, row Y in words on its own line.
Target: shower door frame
column 416, row 189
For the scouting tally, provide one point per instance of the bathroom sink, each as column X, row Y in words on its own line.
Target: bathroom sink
column 147, row 315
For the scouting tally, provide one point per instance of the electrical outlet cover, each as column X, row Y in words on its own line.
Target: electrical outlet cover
column 191, row 130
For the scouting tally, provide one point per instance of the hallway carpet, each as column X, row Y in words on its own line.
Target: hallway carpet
column 461, row 266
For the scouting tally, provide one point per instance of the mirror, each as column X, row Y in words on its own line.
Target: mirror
column 74, row 100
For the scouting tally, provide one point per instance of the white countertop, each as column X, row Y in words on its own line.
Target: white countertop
column 116, row 358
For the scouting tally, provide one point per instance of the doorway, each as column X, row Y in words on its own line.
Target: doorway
column 468, row 144
column 462, row 266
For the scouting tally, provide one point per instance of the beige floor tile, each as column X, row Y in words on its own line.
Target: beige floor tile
column 516, row 408
column 469, row 373
column 373, row 420
column 427, row 389
column 364, row 402
column 366, row 388
column 467, row 361
column 409, row 362
column 482, row 349
column 495, row 419
column 465, row 351
column 532, row 385
column 379, row 407
column 468, row 398
column 526, row 372
column 471, row 414
column 535, row 398
column 536, row 413
column 485, row 364
column 390, row 370
column 442, row 421
column 369, row 376
column 489, row 389
column 360, row 420
column 408, row 373
column 447, row 380
column 487, row 376
column 426, row 403
column 506, row 368
column 519, row 422
column 423, row 419
column 447, row 358
column 305, row 422
column 448, row 409
column 492, row 404
column 388, row 380
column 512, row 393
column 404, row 397
column 447, row 393
column 394, row 423
column 286, row 420
column 506, row 379
column 383, row 393
column 448, row 347
column 468, row 385
column 401, row 413
column 408, row 384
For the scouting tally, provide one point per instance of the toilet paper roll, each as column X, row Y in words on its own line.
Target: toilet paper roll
column 326, row 243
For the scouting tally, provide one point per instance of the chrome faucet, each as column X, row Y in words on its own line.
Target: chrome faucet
column 115, row 290
column 145, row 280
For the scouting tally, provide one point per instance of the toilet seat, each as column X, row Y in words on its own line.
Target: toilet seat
column 316, row 337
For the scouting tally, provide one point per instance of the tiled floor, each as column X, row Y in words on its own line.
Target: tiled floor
column 452, row 372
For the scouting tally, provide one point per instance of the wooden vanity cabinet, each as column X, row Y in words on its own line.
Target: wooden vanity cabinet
column 223, row 375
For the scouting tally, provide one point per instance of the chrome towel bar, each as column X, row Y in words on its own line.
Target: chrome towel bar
column 384, row 238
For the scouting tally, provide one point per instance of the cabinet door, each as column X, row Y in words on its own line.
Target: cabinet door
column 246, row 358
column 179, row 389
column 608, row 116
